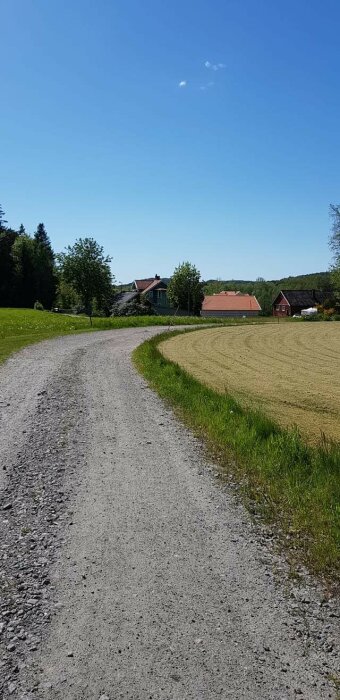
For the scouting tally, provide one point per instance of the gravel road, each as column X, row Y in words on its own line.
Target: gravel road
column 128, row 570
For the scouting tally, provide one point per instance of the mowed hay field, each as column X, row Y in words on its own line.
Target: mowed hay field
column 289, row 371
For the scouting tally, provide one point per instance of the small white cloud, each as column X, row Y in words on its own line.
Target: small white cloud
column 207, row 85
column 214, row 66
column 182, row 84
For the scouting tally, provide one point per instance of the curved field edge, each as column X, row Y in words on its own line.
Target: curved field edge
column 289, row 371
column 21, row 327
column 294, row 485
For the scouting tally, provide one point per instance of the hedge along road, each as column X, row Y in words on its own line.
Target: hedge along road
column 127, row 571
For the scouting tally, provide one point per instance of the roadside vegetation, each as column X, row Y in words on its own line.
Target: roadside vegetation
column 20, row 327
column 293, row 484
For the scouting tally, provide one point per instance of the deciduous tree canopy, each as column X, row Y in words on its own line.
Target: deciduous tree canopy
column 334, row 243
column 29, row 274
column 87, row 269
column 185, row 288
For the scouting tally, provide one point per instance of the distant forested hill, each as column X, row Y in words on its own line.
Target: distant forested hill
column 316, row 280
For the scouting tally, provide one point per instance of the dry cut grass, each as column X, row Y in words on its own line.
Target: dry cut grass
column 289, row 371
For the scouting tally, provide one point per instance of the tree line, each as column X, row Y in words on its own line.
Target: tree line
column 81, row 279
column 31, row 274
column 27, row 267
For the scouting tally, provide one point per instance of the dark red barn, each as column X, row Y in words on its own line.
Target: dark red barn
column 291, row 301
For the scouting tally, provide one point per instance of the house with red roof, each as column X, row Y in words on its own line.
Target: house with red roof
column 154, row 289
column 230, row 304
column 151, row 289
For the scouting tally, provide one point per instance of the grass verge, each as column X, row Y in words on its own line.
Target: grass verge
column 295, row 485
column 20, row 327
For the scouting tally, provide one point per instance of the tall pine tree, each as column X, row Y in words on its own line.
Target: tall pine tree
column 24, row 258
column 7, row 271
column 2, row 219
column 45, row 268
column 7, row 267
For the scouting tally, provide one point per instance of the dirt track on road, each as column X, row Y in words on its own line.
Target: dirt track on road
column 127, row 570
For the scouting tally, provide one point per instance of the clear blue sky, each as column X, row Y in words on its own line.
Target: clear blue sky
column 97, row 137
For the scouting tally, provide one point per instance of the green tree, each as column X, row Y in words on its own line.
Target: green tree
column 67, row 297
column 264, row 292
column 3, row 221
column 24, row 259
column 213, row 287
column 22, row 230
column 46, row 282
column 185, row 289
column 334, row 242
column 85, row 267
column 7, row 267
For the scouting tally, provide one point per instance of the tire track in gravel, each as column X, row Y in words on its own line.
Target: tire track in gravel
column 126, row 571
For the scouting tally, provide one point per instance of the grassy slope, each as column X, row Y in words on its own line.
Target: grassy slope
column 295, row 485
column 20, row 327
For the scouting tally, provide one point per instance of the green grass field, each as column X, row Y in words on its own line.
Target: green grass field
column 20, row 327
column 295, row 485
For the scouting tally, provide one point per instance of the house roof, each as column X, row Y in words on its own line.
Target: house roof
column 143, row 284
column 149, row 283
column 123, row 298
column 303, row 297
column 230, row 301
column 229, row 294
column 155, row 283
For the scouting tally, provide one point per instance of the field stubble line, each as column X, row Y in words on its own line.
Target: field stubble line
column 292, row 371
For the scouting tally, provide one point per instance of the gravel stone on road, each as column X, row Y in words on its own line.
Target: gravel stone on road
column 127, row 569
